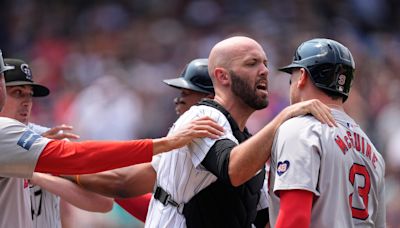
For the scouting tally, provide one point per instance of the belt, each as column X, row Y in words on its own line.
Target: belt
column 165, row 198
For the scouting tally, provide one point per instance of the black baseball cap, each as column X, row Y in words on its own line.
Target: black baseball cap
column 21, row 74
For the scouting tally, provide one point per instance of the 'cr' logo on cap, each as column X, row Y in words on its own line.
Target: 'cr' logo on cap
column 25, row 68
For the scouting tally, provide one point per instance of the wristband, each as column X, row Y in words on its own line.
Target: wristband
column 78, row 180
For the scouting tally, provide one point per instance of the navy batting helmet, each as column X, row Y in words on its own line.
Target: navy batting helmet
column 194, row 77
column 329, row 63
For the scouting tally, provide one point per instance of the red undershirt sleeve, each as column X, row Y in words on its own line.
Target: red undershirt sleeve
column 136, row 206
column 295, row 209
column 68, row 158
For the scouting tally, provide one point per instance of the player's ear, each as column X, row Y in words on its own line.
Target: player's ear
column 221, row 75
column 303, row 78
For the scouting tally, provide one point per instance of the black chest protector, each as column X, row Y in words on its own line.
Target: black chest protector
column 220, row 204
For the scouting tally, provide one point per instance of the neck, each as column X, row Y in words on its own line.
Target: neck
column 335, row 106
column 313, row 93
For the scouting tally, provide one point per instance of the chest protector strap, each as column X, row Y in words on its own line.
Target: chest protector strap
column 220, row 204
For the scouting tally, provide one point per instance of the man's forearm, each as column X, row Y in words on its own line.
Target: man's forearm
column 104, row 183
column 72, row 193
column 162, row 144
column 249, row 157
column 125, row 182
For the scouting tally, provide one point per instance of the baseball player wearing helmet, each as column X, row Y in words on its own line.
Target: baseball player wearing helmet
column 322, row 176
column 195, row 84
column 24, row 151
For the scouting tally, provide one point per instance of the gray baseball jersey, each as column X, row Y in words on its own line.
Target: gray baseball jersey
column 45, row 206
column 15, row 209
column 339, row 165
column 180, row 172
column 19, row 151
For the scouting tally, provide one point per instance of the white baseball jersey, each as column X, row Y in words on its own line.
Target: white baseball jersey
column 180, row 172
column 45, row 206
column 339, row 165
column 19, row 151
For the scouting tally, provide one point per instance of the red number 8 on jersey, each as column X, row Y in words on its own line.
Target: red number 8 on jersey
column 356, row 169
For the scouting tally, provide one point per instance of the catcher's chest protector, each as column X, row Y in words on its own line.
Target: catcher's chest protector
column 220, row 204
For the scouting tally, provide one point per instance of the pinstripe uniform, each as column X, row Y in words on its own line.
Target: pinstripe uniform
column 180, row 172
column 20, row 150
column 340, row 166
column 45, row 206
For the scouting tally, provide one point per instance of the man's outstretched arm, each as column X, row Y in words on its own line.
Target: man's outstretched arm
column 127, row 185
column 63, row 157
column 72, row 193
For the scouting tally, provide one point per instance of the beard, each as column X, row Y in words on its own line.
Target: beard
column 246, row 93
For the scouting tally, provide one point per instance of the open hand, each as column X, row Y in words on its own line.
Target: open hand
column 314, row 107
column 58, row 132
column 204, row 127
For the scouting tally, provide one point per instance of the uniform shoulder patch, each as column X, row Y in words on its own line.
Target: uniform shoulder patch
column 282, row 167
column 27, row 139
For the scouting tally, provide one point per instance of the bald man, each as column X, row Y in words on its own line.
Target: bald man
column 219, row 182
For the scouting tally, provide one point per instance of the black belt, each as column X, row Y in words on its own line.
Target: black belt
column 165, row 198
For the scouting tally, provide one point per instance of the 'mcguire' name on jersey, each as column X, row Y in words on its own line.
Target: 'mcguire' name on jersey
column 359, row 143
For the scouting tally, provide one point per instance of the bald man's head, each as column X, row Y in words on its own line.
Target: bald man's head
column 238, row 68
column 228, row 50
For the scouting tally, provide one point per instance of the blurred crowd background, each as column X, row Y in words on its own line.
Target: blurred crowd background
column 104, row 62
